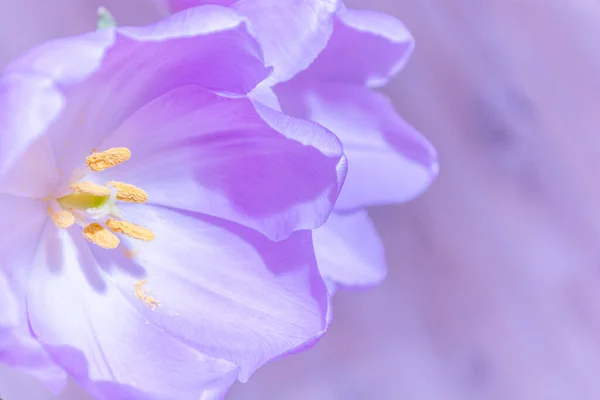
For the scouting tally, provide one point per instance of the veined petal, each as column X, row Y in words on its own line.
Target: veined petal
column 233, row 159
column 291, row 33
column 366, row 48
column 349, row 251
column 390, row 162
column 107, row 75
column 95, row 333
column 222, row 288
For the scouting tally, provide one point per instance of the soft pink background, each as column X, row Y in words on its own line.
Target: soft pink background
column 494, row 284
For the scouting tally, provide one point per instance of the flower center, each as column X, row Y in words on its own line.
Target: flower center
column 90, row 201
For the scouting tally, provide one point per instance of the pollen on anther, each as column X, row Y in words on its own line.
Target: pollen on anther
column 63, row 219
column 130, row 229
column 108, row 158
column 143, row 296
column 129, row 193
column 100, row 236
column 90, row 188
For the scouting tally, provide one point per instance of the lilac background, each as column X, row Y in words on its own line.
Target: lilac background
column 494, row 283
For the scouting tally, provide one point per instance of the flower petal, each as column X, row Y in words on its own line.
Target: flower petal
column 179, row 5
column 291, row 33
column 18, row 348
column 16, row 384
column 366, row 48
column 29, row 104
column 107, row 75
column 23, row 353
column 27, row 23
column 66, row 61
column 264, row 94
column 233, row 159
column 23, row 219
column 92, row 330
column 222, row 288
column 349, row 251
column 390, row 162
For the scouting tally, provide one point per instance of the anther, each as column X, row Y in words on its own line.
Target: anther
column 63, row 219
column 96, row 234
column 146, row 298
column 129, row 229
column 90, row 188
column 129, row 193
column 108, row 158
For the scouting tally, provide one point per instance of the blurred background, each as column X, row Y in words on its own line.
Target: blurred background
column 494, row 273
column 494, row 283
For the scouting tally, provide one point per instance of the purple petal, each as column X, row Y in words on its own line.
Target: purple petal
column 245, row 301
column 27, row 167
column 107, row 75
column 26, row 23
column 97, row 335
column 23, row 219
column 16, row 384
column 18, row 349
column 224, row 289
column 390, row 162
column 366, row 48
column 218, row 393
column 232, row 159
column 22, row 352
column 8, row 301
column 179, row 5
column 264, row 94
column 67, row 61
column 291, row 33
column 349, row 251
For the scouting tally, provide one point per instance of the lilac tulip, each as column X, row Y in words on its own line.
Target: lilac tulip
column 155, row 216
column 390, row 161
column 291, row 33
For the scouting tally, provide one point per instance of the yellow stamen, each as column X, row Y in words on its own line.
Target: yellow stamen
column 108, row 159
column 90, row 188
column 96, row 234
column 63, row 219
column 146, row 298
column 129, row 229
column 129, row 193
